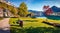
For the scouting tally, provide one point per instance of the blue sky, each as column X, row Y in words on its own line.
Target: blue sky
column 36, row 4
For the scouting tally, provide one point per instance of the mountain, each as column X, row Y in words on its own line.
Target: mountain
column 55, row 9
column 37, row 13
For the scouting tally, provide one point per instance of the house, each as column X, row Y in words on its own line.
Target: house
column 1, row 12
column 5, row 12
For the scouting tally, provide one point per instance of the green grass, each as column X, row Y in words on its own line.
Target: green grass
column 35, row 30
column 32, row 26
column 29, row 22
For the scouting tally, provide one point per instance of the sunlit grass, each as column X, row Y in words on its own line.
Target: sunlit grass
column 28, row 22
column 33, row 25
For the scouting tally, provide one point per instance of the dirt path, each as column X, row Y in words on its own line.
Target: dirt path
column 4, row 26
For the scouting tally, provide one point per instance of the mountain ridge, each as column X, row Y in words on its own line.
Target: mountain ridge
column 37, row 13
column 55, row 9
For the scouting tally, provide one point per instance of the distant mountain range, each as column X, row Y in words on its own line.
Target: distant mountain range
column 37, row 13
column 41, row 14
column 55, row 9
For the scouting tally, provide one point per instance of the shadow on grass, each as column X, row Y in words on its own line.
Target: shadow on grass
column 15, row 25
column 52, row 24
column 35, row 30
column 30, row 20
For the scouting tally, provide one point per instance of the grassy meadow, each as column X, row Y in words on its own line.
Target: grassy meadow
column 33, row 25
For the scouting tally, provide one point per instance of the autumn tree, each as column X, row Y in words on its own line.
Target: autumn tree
column 23, row 9
column 14, row 11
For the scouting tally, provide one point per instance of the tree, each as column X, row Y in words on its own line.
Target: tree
column 23, row 10
column 14, row 11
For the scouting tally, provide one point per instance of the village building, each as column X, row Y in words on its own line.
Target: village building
column 5, row 12
column 1, row 12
